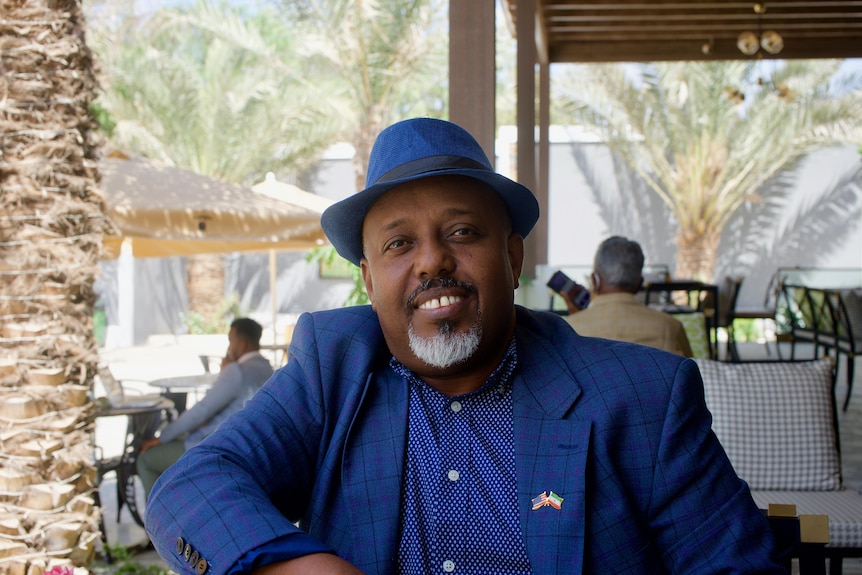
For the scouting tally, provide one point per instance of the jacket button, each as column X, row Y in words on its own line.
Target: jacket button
column 194, row 558
column 187, row 552
column 180, row 545
column 202, row 567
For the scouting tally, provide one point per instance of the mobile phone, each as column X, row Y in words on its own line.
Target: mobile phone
column 578, row 294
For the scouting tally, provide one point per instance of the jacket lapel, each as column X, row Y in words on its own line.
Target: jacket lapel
column 551, row 451
column 373, row 469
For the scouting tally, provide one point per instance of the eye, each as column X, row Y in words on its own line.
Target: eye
column 464, row 232
column 395, row 244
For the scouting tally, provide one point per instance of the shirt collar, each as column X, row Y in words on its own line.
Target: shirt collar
column 248, row 355
column 500, row 380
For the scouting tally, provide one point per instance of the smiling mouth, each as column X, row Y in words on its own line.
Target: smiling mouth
column 443, row 301
column 440, row 301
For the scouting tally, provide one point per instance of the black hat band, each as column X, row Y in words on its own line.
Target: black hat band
column 430, row 164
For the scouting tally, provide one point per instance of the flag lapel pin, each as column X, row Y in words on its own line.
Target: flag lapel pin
column 545, row 499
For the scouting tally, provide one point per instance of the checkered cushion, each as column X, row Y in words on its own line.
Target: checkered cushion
column 775, row 421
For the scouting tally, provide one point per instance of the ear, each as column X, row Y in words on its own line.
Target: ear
column 367, row 280
column 515, row 249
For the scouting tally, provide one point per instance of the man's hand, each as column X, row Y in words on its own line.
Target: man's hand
column 570, row 305
column 226, row 361
column 314, row 564
column 152, row 442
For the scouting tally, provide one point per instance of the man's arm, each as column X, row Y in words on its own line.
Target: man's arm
column 226, row 388
column 245, row 485
column 314, row 564
column 702, row 513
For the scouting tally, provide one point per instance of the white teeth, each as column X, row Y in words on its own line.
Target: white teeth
column 442, row 302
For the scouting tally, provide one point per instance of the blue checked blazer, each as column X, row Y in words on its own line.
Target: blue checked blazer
column 620, row 431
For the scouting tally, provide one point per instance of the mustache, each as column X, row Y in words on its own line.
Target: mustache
column 433, row 283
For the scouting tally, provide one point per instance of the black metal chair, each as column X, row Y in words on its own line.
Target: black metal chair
column 841, row 329
column 803, row 317
column 728, row 293
column 765, row 312
column 145, row 414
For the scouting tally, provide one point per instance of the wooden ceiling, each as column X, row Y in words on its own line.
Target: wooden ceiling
column 661, row 30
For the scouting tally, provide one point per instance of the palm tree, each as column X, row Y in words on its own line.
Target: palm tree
column 51, row 224
column 706, row 137
column 389, row 57
column 218, row 89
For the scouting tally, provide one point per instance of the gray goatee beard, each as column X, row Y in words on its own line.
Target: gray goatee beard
column 446, row 348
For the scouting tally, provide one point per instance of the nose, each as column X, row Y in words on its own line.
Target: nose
column 434, row 259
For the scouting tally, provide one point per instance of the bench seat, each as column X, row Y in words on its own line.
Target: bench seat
column 843, row 506
column 778, row 423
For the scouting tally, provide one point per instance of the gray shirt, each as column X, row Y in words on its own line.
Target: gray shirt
column 235, row 385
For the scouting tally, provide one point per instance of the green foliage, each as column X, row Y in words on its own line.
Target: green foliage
column 124, row 562
column 103, row 118
column 217, row 323
column 219, row 88
column 357, row 295
column 387, row 60
column 747, row 330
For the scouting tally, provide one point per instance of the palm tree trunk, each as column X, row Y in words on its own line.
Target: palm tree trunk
column 51, row 227
column 696, row 253
column 206, row 285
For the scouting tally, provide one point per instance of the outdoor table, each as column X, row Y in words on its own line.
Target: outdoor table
column 177, row 388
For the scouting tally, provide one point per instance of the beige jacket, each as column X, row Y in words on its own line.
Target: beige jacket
column 620, row 316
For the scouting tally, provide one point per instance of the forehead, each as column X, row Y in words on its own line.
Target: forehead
column 440, row 194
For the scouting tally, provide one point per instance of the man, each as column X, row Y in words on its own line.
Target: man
column 243, row 371
column 614, row 312
column 444, row 430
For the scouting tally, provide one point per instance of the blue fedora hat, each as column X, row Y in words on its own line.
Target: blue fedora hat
column 414, row 149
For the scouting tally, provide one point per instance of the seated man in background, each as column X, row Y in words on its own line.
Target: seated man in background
column 243, row 371
column 614, row 312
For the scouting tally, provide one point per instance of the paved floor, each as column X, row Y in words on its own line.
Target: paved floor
column 171, row 356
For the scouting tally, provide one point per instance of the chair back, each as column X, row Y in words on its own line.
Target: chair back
column 850, row 316
column 113, row 388
column 210, row 363
column 728, row 294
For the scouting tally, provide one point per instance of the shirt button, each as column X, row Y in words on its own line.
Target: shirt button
column 454, row 475
column 448, row 566
column 455, row 406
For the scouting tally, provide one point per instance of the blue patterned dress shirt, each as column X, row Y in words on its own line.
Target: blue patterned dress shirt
column 460, row 509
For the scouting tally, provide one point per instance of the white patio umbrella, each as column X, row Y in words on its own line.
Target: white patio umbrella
column 284, row 192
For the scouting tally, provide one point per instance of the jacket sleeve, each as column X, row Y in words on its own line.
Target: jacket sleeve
column 246, row 484
column 703, row 515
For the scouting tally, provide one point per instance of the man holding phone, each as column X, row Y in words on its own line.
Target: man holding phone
column 614, row 312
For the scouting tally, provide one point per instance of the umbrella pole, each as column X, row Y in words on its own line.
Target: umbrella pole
column 273, row 277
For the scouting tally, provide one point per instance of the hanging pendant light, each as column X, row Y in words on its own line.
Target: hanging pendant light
column 747, row 43
column 770, row 41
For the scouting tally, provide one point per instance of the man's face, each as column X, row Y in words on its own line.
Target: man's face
column 440, row 267
column 236, row 345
